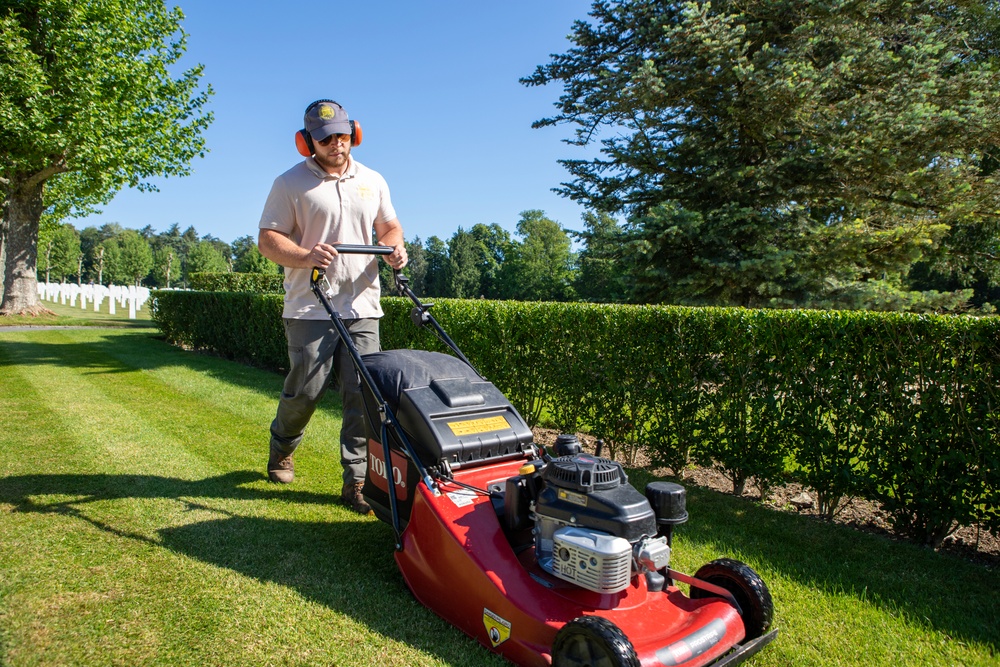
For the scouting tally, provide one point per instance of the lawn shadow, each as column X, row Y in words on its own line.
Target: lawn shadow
column 128, row 351
column 345, row 565
column 939, row 591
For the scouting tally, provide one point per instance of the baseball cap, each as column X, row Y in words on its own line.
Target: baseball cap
column 324, row 118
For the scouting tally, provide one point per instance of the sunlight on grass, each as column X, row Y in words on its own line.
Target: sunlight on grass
column 139, row 528
column 66, row 315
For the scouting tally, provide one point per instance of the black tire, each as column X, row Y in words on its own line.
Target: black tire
column 592, row 641
column 746, row 586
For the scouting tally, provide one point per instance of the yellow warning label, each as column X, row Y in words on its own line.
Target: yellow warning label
column 484, row 425
column 497, row 628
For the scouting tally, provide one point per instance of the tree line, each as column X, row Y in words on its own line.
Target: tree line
column 111, row 254
column 540, row 261
column 757, row 153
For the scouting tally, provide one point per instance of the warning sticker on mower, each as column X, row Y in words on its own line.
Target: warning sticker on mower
column 462, row 498
column 497, row 628
column 575, row 498
column 484, row 425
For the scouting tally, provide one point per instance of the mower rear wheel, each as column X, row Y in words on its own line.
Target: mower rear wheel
column 746, row 586
column 592, row 641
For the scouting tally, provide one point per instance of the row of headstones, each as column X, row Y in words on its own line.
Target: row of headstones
column 129, row 296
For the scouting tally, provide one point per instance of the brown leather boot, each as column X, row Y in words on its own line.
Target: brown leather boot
column 352, row 497
column 280, row 467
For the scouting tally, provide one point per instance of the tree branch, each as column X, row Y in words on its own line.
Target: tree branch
column 57, row 167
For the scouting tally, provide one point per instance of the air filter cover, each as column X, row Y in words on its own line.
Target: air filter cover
column 585, row 473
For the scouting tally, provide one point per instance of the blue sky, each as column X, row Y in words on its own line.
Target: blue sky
column 433, row 83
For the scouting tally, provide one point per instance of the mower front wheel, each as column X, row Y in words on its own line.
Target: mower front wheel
column 592, row 641
column 756, row 606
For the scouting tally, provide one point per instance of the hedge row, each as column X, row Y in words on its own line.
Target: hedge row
column 237, row 282
column 901, row 409
column 242, row 326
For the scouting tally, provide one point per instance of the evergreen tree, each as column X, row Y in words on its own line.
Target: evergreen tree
column 493, row 244
column 603, row 274
column 783, row 153
column 416, row 267
column 463, row 256
column 438, row 276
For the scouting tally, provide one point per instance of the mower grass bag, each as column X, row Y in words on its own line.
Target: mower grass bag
column 453, row 417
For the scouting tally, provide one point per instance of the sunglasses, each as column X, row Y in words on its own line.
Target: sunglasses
column 342, row 138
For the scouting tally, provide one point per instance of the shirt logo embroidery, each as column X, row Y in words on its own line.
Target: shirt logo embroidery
column 365, row 192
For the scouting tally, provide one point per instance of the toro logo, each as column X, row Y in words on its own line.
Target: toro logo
column 377, row 472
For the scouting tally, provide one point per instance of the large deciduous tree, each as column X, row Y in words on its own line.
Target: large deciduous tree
column 205, row 257
column 60, row 253
column 89, row 104
column 542, row 266
column 787, row 152
column 247, row 257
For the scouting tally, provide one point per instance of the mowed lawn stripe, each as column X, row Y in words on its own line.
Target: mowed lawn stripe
column 147, row 537
column 125, row 419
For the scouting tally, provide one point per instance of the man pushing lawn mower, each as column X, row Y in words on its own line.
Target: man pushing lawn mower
column 327, row 199
column 560, row 561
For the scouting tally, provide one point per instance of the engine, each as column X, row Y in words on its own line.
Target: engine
column 590, row 526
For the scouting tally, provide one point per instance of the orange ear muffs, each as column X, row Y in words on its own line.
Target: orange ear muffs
column 303, row 143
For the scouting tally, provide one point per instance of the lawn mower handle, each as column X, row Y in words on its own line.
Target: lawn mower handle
column 386, row 415
column 421, row 317
column 351, row 249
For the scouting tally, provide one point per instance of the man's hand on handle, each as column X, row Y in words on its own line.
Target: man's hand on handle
column 398, row 258
column 321, row 255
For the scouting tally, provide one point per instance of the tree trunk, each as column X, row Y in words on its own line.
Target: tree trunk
column 3, row 239
column 22, row 211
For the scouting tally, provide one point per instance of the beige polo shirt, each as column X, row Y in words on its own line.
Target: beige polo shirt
column 312, row 206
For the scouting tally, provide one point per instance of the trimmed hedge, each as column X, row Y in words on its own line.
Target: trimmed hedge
column 242, row 326
column 897, row 408
column 238, row 282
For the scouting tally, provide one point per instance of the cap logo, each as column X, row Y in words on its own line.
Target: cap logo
column 326, row 112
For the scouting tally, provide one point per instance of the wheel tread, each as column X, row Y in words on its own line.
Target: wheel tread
column 746, row 586
column 604, row 630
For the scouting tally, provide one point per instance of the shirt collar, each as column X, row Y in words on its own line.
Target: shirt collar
column 320, row 173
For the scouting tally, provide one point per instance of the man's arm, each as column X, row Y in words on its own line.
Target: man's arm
column 283, row 251
column 391, row 234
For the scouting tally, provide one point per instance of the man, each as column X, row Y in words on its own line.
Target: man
column 327, row 199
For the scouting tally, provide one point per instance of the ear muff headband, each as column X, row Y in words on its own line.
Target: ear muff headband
column 304, row 142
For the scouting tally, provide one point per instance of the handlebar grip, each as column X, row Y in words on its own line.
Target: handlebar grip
column 348, row 249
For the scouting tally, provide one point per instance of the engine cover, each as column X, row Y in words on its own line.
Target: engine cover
column 596, row 561
column 590, row 492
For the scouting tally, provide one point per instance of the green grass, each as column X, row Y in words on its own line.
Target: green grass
column 66, row 315
column 137, row 527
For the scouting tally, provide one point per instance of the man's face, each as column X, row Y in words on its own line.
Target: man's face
column 332, row 152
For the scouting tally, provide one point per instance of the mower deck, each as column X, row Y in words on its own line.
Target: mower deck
column 458, row 561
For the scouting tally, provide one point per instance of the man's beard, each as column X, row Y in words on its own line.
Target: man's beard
column 336, row 163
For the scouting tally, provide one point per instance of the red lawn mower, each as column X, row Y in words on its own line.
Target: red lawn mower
column 544, row 558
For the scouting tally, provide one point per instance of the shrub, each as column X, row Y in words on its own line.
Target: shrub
column 899, row 408
column 237, row 282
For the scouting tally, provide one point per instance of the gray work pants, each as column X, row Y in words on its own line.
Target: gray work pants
column 319, row 360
